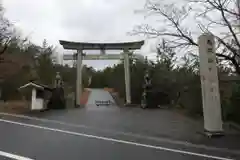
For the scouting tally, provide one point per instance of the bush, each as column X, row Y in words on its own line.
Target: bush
column 191, row 99
column 231, row 109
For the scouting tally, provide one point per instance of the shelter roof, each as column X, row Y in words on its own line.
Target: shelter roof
column 35, row 85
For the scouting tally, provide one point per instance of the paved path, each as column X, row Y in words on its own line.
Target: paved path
column 105, row 133
column 99, row 95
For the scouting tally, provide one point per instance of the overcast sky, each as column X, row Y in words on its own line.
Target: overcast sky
column 76, row 20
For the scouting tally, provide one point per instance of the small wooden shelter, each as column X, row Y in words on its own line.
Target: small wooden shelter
column 38, row 95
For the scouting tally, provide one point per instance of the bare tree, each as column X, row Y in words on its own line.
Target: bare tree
column 238, row 6
column 181, row 24
column 6, row 31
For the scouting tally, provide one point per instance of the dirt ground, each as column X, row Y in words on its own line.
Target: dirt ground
column 14, row 106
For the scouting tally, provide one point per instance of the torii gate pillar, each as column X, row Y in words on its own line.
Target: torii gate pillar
column 79, row 77
column 127, row 77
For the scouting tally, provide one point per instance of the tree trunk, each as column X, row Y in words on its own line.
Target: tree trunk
column 236, row 66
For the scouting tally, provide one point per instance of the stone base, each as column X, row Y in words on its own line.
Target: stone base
column 211, row 134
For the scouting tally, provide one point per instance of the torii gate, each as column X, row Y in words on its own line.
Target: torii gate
column 79, row 57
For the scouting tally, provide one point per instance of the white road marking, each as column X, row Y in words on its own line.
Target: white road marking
column 157, row 139
column 13, row 156
column 116, row 140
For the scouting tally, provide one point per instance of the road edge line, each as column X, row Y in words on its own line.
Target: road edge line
column 116, row 140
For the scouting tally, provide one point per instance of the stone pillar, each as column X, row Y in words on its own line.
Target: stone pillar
column 210, row 86
column 127, row 77
column 79, row 78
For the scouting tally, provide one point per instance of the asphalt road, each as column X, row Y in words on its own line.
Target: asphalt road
column 29, row 138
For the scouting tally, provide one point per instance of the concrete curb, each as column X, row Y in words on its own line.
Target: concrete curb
column 131, row 105
column 233, row 125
